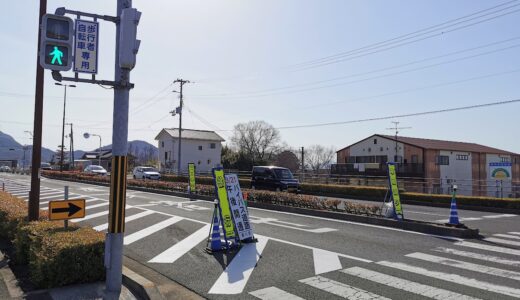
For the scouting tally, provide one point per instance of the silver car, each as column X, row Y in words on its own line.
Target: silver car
column 146, row 173
column 96, row 170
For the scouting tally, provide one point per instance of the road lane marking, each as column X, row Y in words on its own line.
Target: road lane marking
column 325, row 261
column 127, row 219
column 454, row 278
column 512, row 232
column 92, row 216
column 274, row 293
column 182, row 247
column 499, row 216
column 465, row 265
column 460, row 219
column 502, row 241
column 340, row 289
column 488, row 248
column 270, row 221
column 424, row 213
column 358, row 224
column 508, row 236
column 129, row 239
column 490, row 258
column 58, row 195
column 405, row 285
column 312, row 248
column 234, row 278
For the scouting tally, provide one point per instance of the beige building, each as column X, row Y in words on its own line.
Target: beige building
column 435, row 164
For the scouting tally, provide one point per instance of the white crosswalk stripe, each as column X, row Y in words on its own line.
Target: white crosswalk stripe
column 127, row 219
column 466, row 265
column 502, row 241
column 405, row 285
column 339, row 289
column 454, row 278
column 488, row 247
column 274, row 293
column 91, row 216
column 490, row 258
column 512, row 232
column 182, row 247
column 507, row 236
column 134, row 237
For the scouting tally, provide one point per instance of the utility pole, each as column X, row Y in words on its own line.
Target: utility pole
column 303, row 164
column 71, row 146
column 181, row 82
column 396, row 133
column 63, row 123
column 34, row 194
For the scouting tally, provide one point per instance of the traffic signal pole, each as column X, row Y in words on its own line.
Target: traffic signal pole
column 115, row 235
column 34, row 194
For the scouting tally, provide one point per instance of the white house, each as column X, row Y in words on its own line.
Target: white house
column 201, row 147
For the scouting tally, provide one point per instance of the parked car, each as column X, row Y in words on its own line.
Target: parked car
column 45, row 166
column 97, row 170
column 5, row 169
column 274, row 178
column 146, row 173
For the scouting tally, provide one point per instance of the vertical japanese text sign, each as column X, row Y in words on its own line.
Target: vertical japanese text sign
column 238, row 209
column 86, row 47
column 191, row 171
column 220, row 186
column 394, row 189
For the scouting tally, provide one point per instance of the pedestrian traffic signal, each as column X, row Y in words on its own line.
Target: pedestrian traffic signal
column 56, row 42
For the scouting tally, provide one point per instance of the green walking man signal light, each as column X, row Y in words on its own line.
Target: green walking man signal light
column 57, row 38
column 56, row 56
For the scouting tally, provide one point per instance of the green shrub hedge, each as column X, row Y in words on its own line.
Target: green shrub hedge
column 509, row 203
column 56, row 256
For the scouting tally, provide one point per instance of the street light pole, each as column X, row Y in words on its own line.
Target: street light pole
column 63, row 123
column 87, row 135
column 181, row 82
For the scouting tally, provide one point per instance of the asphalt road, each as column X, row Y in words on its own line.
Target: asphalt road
column 303, row 257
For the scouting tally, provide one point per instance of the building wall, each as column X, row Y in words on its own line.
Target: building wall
column 410, row 151
column 478, row 173
column 204, row 159
column 383, row 146
column 342, row 156
column 458, row 171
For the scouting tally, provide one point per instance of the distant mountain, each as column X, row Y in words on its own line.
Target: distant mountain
column 10, row 149
column 140, row 149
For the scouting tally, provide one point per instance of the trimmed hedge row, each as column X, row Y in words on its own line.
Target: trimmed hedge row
column 56, row 255
column 509, row 203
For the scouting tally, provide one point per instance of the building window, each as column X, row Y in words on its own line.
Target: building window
column 375, row 141
column 462, row 157
column 381, row 149
column 369, row 149
column 212, row 146
column 415, row 159
column 162, row 144
column 200, row 148
column 443, row 160
column 165, row 156
column 504, row 159
column 209, row 161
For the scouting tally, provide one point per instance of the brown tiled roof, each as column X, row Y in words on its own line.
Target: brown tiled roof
column 446, row 145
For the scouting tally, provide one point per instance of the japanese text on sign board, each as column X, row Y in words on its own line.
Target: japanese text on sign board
column 86, row 46
column 220, row 183
column 395, row 190
column 238, row 209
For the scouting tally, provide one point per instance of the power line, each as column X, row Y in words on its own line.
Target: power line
column 431, row 112
column 259, row 95
column 341, row 56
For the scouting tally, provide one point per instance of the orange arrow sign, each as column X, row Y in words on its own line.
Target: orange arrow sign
column 67, row 209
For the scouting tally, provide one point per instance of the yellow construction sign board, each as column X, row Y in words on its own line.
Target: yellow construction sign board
column 395, row 190
column 191, row 171
column 67, row 209
column 220, row 183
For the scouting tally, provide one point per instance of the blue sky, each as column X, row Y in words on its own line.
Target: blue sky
column 241, row 57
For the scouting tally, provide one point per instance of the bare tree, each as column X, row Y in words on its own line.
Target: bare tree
column 257, row 140
column 318, row 157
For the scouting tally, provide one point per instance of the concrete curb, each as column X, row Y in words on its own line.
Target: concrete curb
column 417, row 226
column 140, row 286
column 9, row 279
